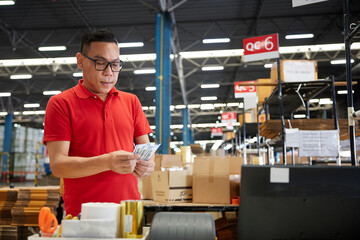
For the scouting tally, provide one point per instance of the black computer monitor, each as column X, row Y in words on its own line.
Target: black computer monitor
column 299, row 202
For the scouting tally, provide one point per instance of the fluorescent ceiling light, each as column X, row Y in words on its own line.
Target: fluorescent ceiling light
column 207, row 107
column 152, row 88
column 217, row 105
column 194, row 106
column 31, row 105
column 315, row 100
column 7, row 3
column 299, row 36
column 268, row 65
column 232, row 104
column 3, row 113
column 52, row 48
column 343, row 92
column 40, row 112
column 145, row 71
column 54, row 92
column 325, row 101
column 341, row 61
column 299, row 115
column 212, row 68
column 212, row 53
column 5, row 94
column 131, row 44
column 78, row 74
column 144, row 108
column 216, row 40
column 209, row 98
column 21, row 76
column 180, row 106
column 210, row 85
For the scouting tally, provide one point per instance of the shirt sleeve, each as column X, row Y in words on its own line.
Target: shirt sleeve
column 57, row 125
column 141, row 124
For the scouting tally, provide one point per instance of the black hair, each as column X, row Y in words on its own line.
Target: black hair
column 97, row 36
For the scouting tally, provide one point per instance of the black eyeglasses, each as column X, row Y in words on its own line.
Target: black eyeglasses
column 101, row 65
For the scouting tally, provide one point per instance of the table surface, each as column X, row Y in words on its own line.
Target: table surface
column 183, row 206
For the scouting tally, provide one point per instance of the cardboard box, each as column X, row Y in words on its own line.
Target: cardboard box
column 171, row 186
column 295, row 71
column 167, row 161
column 212, row 180
column 264, row 91
column 146, row 188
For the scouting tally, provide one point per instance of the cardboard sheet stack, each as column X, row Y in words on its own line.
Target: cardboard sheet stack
column 29, row 202
column 8, row 197
column 272, row 128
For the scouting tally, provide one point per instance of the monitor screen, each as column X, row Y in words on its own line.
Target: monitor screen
column 299, row 202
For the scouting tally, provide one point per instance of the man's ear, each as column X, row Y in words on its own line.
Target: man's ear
column 79, row 59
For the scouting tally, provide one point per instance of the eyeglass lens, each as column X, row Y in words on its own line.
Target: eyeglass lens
column 102, row 65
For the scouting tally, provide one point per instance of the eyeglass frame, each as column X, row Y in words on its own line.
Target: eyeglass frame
column 108, row 63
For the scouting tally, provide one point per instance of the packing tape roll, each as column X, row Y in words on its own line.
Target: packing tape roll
column 97, row 210
column 132, row 212
column 179, row 225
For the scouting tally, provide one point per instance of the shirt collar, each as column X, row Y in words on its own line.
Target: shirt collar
column 83, row 92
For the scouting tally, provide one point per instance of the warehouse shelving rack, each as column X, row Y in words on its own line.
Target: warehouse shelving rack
column 289, row 92
column 349, row 36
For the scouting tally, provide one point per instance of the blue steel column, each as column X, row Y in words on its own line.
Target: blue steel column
column 7, row 146
column 163, row 81
column 186, row 133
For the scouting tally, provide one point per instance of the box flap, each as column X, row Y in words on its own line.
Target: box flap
column 211, row 165
column 169, row 161
column 179, row 179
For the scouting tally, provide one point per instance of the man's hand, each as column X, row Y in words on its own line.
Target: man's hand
column 144, row 168
column 122, row 162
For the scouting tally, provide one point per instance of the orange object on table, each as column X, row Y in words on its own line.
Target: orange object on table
column 47, row 221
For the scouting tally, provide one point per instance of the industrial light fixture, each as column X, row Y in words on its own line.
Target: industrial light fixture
column 268, row 65
column 151, row 88
column 299, row 36
column 209, row 98
column 207, row 107
column 216, row 40
column 145, row 71
column 7, row 3
column 130, row 44
column 314, row 100
column 299, row 116
column 54, row 92
column 210, row 85
column 3, row 113
column 343, row 92
column 31, row 105
column 212, row 68
column 5, row 94
column 52, row 48
column 341, row 61
column 78, row 74
column 324, row 101
column 21, row 76
column 40, row 112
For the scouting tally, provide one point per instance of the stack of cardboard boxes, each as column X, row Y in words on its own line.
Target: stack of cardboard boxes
column 209, row 180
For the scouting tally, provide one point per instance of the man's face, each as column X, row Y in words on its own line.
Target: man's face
column 99, row 82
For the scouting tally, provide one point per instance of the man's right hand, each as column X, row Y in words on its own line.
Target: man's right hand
column 122, row 162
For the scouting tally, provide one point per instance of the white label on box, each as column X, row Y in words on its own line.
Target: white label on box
column 128, row 223
column 279, row 175
column 296, row 71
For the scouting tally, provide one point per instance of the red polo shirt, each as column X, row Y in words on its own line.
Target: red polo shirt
column 94, row 127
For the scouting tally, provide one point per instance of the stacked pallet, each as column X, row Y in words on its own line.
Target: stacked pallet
column 8, row 197
column 29, row 202
column 272, row 128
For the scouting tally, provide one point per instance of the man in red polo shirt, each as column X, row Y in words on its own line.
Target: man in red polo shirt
column 90, row 130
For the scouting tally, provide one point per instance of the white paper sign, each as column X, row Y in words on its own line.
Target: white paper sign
column 292, row 137
column 298, row 3
column 323, row 143
column 295, row 71
column 279, row 175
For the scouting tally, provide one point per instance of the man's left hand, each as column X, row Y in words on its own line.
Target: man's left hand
column 144, row 168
